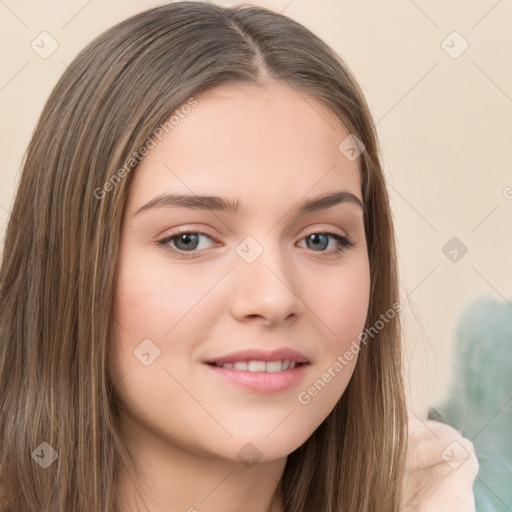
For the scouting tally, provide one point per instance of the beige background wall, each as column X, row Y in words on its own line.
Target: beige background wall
column 443, row 112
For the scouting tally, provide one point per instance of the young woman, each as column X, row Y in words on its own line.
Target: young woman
column 199, row 285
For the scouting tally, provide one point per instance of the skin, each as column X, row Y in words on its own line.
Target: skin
column 270, row 147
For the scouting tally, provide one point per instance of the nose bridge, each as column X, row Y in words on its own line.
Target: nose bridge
column 264, row 283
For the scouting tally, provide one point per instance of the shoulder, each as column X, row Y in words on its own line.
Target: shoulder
column 440, row 470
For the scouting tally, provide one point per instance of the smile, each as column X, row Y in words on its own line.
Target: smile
column 260, row 366
column 263, row 377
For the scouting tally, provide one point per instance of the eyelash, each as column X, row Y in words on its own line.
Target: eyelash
column 344, row 243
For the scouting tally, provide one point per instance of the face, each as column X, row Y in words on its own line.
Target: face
column 201, row 284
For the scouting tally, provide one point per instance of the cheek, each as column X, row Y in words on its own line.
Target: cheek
column 172, row 309
column 151, row 300
column 341, row 304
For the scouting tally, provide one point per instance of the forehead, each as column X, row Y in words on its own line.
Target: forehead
column 245, row 139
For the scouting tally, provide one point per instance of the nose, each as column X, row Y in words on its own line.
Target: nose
column 266, row 288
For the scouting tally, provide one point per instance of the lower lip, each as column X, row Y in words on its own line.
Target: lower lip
column 262, row 382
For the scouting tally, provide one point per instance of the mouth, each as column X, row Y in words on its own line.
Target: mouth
column 261, row 372
column 256, row 366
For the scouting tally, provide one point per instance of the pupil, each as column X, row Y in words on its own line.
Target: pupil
column 188, row 239
column 315, row 239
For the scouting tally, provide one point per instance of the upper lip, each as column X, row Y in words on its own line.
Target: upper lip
column 280, row 354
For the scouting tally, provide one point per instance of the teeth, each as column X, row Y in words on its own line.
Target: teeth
column 273, row 366
column 257, row 366
column 260, row 366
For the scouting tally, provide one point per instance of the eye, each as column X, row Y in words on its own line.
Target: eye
column 320, row 241
column 184, row 242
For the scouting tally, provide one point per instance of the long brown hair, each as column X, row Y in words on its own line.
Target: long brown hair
column 61, row 247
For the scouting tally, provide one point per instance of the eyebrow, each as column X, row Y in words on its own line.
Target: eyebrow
column 219, row 204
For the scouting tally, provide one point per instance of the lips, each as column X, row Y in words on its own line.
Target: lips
column 260, row 371
column 253, row 365
column 260, row 356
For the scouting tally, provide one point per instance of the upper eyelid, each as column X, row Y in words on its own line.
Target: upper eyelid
column 200, row 232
